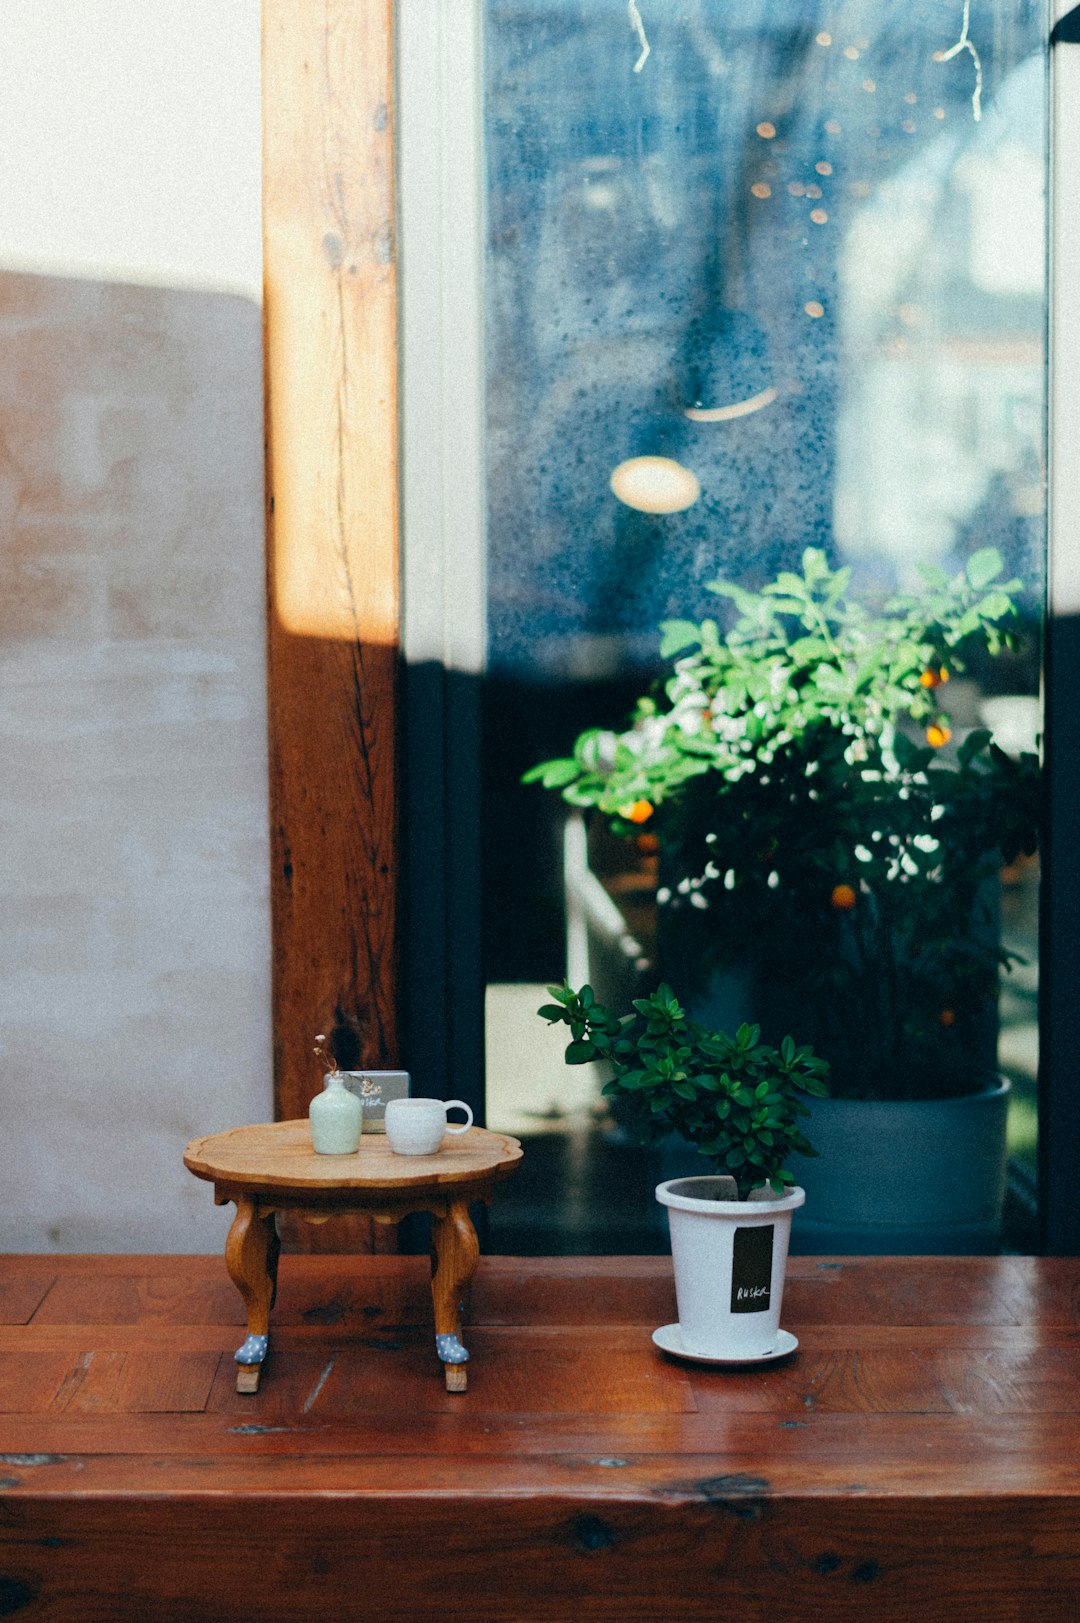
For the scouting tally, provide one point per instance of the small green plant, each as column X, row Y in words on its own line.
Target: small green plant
column 735, row 1098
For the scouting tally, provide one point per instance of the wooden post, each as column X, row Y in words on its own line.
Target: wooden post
column 332, row 522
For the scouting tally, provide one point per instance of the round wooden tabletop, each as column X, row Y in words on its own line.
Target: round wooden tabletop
column 278, row 1155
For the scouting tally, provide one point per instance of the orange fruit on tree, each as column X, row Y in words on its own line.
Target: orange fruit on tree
column 843, row 897
column 938, row 734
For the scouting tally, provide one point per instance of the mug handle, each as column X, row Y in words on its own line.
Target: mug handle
column 459, row 1104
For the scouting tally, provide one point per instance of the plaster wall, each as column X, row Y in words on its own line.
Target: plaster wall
column 134, row 911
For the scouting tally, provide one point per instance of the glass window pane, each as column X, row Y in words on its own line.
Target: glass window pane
column 758, row 278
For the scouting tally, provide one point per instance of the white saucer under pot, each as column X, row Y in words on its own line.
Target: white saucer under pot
column 730, row 1258
column 669, row 1339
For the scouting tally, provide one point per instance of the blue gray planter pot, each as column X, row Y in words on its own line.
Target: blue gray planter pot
column 905, row 1178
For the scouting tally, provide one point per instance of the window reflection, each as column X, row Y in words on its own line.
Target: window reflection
column 941, row 282
column 783, row 286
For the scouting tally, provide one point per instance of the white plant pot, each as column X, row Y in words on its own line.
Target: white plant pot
column 730, row 1257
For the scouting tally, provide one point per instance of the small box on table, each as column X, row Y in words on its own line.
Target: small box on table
column 390, row 1085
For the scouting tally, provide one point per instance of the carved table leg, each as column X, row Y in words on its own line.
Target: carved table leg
column 251, row 1252
column 457, row 1252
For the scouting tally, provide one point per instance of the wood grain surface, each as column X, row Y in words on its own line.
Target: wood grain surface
column 917, row 1460
column 331, row 428
column 278, row 1155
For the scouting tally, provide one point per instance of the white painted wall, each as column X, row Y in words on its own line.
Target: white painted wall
column 134, row 911
column 130, row 141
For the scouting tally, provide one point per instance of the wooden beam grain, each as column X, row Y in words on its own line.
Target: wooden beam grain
column 332, row 516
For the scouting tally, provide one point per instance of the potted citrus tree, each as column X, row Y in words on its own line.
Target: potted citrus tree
column 830, row 846
column 741, row 1104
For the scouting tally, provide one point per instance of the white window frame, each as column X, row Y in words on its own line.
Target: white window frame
column 1064, row 348
column 441, row 240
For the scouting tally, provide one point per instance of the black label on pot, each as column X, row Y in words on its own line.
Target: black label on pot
column 751, row 1269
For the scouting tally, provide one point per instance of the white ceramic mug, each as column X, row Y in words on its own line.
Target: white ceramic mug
column 416, row 1126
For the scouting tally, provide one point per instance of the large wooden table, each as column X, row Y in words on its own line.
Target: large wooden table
column 917, row 1460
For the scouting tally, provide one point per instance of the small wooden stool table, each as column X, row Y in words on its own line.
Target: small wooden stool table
column 273, row 1168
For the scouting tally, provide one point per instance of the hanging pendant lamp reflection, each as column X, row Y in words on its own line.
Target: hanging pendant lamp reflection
column 725, row 372
column 655, row 484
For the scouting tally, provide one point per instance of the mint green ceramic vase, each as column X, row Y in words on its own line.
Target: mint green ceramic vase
column 336, row 1117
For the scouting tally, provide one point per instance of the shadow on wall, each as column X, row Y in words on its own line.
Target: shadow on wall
column 134, row 914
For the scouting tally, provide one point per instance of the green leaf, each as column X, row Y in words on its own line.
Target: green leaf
column 551, row 1011
column 967, row 623
column 982, row 566
column 831, row 682
column 746, row 602
column 910, row 756
column 808, row 650
column 632, row 1080
column 580, row 1053
column 996, row 606
column 975, row 742
column 839, row 584
column 676, row 635
column 553, row 774
column 577, row 795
